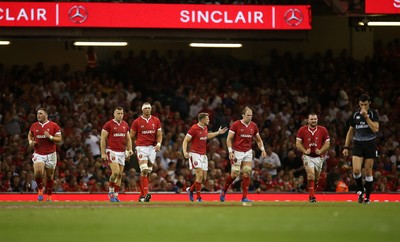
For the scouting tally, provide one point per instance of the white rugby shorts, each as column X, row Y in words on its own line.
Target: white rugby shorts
column 198, row 161
column 49, row 160
column 116, row 157
column 313, row 162
column 146, row 153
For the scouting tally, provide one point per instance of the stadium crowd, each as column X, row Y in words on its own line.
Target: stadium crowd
column 282, row 89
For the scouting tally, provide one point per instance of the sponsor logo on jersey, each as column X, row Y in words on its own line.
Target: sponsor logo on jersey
column 246, row 136
column 148, row 132
column 119, row 135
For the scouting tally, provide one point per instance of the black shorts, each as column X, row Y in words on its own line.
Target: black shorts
column 366, row 149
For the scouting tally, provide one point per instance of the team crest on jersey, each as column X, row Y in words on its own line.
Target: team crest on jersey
column 140, row 156
column 112, row 157
column 48, row 130
column 142, row 126
column 196, row 163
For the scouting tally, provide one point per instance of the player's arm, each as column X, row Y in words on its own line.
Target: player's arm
column 300, row 147
column 229, row 143
column 31, row 139
column 159, row 139
column 128, row 151
column 56, row 138
column 260, row 145
column 133, row 138
column 216, row 133
column 349, row 135
column 324, row 147
column 373, row 125
column 185, row 143
column 103, row 143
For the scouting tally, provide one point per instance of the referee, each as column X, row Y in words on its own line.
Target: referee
column 363, row 129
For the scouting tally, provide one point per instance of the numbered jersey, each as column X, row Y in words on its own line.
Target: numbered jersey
column 313, row 138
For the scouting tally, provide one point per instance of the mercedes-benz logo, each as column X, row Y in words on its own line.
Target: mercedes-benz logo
column 78, row 14
column 396, row 3
column 293, row 17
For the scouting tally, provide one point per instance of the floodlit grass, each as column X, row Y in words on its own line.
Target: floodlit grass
column 192, row 222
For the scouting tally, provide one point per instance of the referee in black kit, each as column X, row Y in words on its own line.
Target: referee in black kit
column 363, row 129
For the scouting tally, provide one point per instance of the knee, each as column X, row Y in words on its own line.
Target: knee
column 199, row 178
column 144, row 169
column 246, row 171
column 235, row 171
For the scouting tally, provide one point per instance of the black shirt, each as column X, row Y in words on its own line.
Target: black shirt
column 362, row 130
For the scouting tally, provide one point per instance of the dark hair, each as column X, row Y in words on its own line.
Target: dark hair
column 118, row 108
column 44, row 110
column 201, row 116
column 364, row 97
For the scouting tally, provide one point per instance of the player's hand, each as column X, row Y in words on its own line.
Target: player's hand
column 345, row 152
column 104, row 157
column 308, row 151
column 364, row 112
column 128, row 153
column 46, row 134
column 186, row 155
column 32, row 143
column 157, row 147
column 222, row 130
column 232, row 157
column 317, row 151
column 263, row 153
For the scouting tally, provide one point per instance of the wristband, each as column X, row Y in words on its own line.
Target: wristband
column 230, row 149
column 51, row 137
column 30, row 142
column 262, row 148
column 159, row 144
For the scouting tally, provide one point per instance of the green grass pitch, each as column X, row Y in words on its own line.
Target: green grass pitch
column 195, row 222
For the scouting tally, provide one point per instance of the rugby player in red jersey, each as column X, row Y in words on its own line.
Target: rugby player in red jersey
column 43, row 136
column 146, row 134
column 313, row 141
column 115, row 146
column 239, row 143
column 198, row 136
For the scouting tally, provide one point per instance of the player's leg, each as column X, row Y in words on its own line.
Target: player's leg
column 38, row 171
column 49, row 183
column 112, row 181
column 197, row 184
column 50, row 166
column 246, row 170
column 310, row 170
column 357, row 164
column 235, row 172
column 117, row 186
column 144, row 180
column 369, row 179
column 151, row 159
